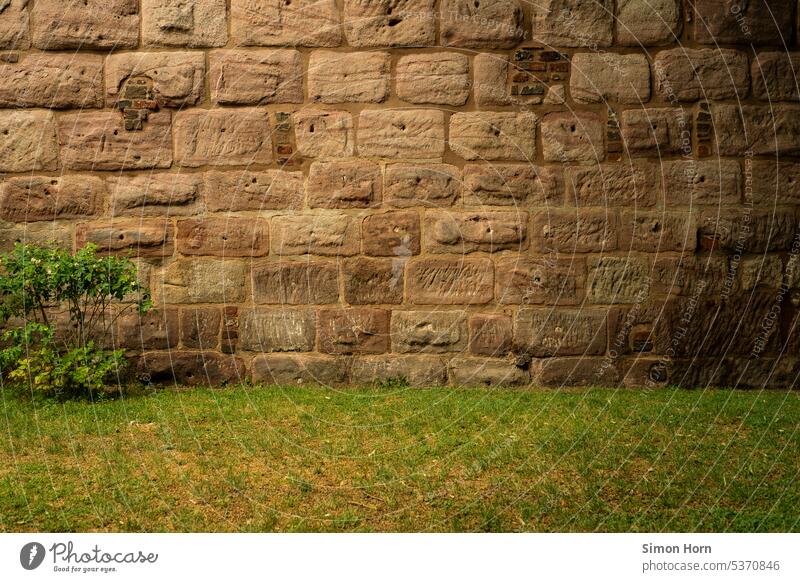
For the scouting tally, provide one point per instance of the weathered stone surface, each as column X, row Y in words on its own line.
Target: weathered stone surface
column 200, row 327
column 410, row 134
column 493, row 136
column 757, row 232
column 227, row 236
column 543, row 332
column 155, row 194
column 190, row 368
column 630, row 183
column 429, row 332
column 348, row 77
column 359, row 330
column 695, row 182
column 373, row 281
column 617, row 280
column 764, row 271
column 775, row 76
column 450, row 281
column 648, row 22
column 756, row 129
column 470, row 24
column 239, row 77
column 760, row 22
column 85, row 24
column 512, row 185
column 40, row 233
column 53, row 81
column 573, row 137
column 344, row 184
column 391, row 234
column 573, row 23
column 222, row 137
column 575, row 231
column 652, row 232
column 386, row 23
column 312, row 23
column 142, row 238
column 203, row 281
column 490, row 335
column 691, row 275
column 601, row 77
column 297, row 370
column 267, row 190
column 98, row 141
column 329, row 234
column 690, row 74
column 296, row 283
column 30, row 199
column 155, row 330
column 657, row 131
column 433, row 185
column 14, row 21
column 185, row 23
column 465, row 371
column 491, row 80
column 773, row 183
column 540, row 280
column 324, row 134
column 28, row 141
column 177, row 76
column 469, row 232
column 569, row 372
column 277, row 330
column 440, row 78
column 422, row 371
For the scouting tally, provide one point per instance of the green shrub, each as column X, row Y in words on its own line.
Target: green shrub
column 65, row 358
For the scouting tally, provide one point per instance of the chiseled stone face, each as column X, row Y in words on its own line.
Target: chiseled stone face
column 222, row 137
column 177, row 77
column 55, row 81
column 28, row 141
column 573, row 137
column 409, row 134
column 143, row 238
column 188, row 23
column 468, row 232
column 424, row 185
column 567, row 332
column 429, row 332
column 773, row 75
column 518, row 185
column 469, row 24
column 573, row 23
column 359, row 330
column 156, row 194
column 348, row 77
column 311, row 23
column 387, row 23
column 373, row 281
column 14, row 23
column 32, row 199
column 227, row 236
column 615, row 184
column 440, row 78
column 344, row 184
column 277, row 330
column 232, row 191
column 330, row 234
column 239, row 77
column 648, row 22
column 300, row 282
column 598, row 78
column 450, row 281
column 196, row 280
column 493, row 136
column 693, row 74
column 324, row 134
column 85, row 24
column 748, row 22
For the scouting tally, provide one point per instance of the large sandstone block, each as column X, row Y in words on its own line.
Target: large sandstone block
column 540, row 280
column 156, row 330
column 422, row 371
column 298, row 370
column 657, row 131
column 348, row 77
column 758, row 22
column 85, row 24
column 575, row 231
column 222, row 137
column 177, row 76
column 312, row 23
column 450, row 281
column 53, row 81
column 373, row 281
column 657, row 232
column 41, row 233
column 697, row 182
column 344, row 184
column 410, row 134
column 601, row 77
column 266, row 190
column 573, row 23
column 648, row 22
column 429, row 332
column 440, row 78
column 473, row 371
column 329, row 234
column 203, row 281
column 140, row 238
column 98, row 141
column 512, row 185
column 14, row 25
column 566, row 332
column 28, row 141
column 760, row 231
column 493, row 136
column 239, row 77
column 391, row 234
column 277, row 330
column 616, row 280
column 573, row 137
column 358, row 330
column 756, row 129
column 469, row 232
column 490, row 335
column 692, row 276
column 616, row 184
column 386, row 23
column 190, row 368
column 184, row 23
column 470, row 24
column 324, row 134
column 774, row 183
column 227, row 236
column 156, row 194
column 200, row 327
column 775, row 76
column 433, row 185
column 35, row 198
column 690, row 74
column 296, row 283
column 569, row 372
column 490, row 73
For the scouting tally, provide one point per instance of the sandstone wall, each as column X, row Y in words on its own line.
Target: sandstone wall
column 455, row 191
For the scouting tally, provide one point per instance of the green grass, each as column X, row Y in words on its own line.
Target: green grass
column 399, row 459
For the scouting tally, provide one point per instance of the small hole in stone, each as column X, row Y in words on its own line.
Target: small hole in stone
column 311, row 128
column 116, row 132
column 702, row 179
column 572, row 128
column 254, row 180
column 477, row 4
column 5, row 132
column 394, row 21
column 121, row 237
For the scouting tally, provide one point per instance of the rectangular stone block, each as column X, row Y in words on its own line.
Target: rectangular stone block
column 573, row 137
column 246, row 190
column 298, row 370
column 568, row 372
column 575, row 231
column 277, row 330
column 628, row 183
column 190, row 368
column 472, row 371
column 391, row 234
column 184, row 23
column 222, row 137
column 411, row 134
column 296, row 283
column 203, row 281
column 759, row 22
column 602, row 77
column 353, row 331
column 493, row 136
column 177, row 77
column 618, row 280
column 155, row 330
column 469, row 232
column 344, row 184
column 512, row 185
column 324, row 134
column 200, row 327
column 373, row 281
column 156, row 194
column 450, row 281
column 329, row 234
column 490, row 72
column 440, row 78
column 690, row 275
column 28, row 141
column 226, row 236
column 433, row 185
column 573, row 23
column 756, row 129
column 774, row 182
column 490, row 335
column 388, row 23
column 72, row 81
column 140, row 238
column 657, row 232
column 544, row 332
column 35, row 198
column 98, row 141
column 657, row 131
column 695, row 182
column 648, row 22
column 774, row 76
column 312, row 23
column 541, row 280
column 691, row 74
column 759, row 231
column 429, row 332
column 14, row 25
column 421, row 371
column 348, row 77
column 40, row 233
column 85, row 24
column 239, row 77
column 469, row 24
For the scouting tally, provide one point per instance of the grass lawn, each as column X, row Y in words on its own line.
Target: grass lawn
column 399, row 459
